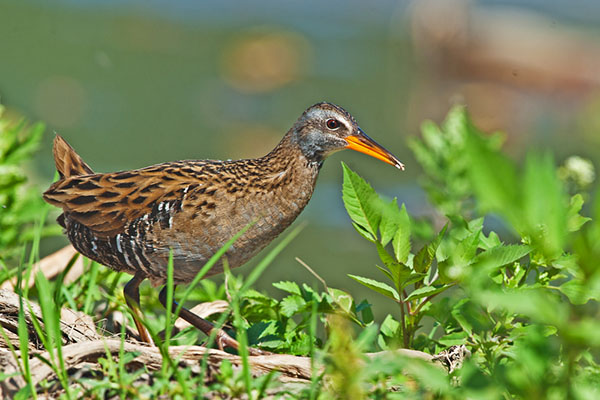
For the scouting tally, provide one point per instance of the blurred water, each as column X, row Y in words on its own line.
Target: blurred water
column 311, row 13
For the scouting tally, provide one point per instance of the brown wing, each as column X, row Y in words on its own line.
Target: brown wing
column 106, row 203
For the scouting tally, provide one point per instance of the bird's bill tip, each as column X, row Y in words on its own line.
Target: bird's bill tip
column 364, row 144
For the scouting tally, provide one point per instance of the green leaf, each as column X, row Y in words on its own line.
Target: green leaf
column 460, row 256
column 568, row 262
column 585, row 332
column 363, row 232
column 476, row 224
column 575, row 220
column 288, row 286
column 362, row 203
column 457, row 314
column 395, row 225
column 27, row 146
column 578, row 292
column 402, row 275
column 291, row 305
column 389, row 222
column 425, row 291
column 492, row 240
column 544, row 212
column 411, row 278
column 493, row 177
column 425, row 256
column 433, row 137
column 401, row 240
column 342, row 299
column 465, row 250
column 366, row 312
column 501, row 255
column 386, row 273
column 384, row 256
column 379, row 287
column 454, row 339
column 536, row 303
column 390, row 327
column 256, row 295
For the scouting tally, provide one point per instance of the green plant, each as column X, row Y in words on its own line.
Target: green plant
column 524, row 298
column 20, row 206
column 415, row 283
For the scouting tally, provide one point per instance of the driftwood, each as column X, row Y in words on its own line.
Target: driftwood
column 75, row 326
column 83, row 346
column 76, row 355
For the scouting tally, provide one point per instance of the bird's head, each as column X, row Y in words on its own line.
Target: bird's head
column 326, row 128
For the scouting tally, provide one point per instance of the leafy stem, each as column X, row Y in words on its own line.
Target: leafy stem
column 405, row 338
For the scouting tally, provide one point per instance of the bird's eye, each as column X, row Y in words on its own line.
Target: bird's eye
column 333, row 124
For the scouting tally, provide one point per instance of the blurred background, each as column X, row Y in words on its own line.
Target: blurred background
column 133, row 83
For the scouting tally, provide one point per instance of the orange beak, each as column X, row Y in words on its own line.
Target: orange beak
column 364, row 144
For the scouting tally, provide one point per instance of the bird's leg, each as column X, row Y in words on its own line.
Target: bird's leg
column 222, row 338
column 132, row 297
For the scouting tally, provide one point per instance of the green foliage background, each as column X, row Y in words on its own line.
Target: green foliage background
column 19, row 204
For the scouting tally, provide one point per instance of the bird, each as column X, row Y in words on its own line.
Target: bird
column 133, row 221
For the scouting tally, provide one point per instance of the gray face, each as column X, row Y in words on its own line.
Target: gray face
column 322, row 130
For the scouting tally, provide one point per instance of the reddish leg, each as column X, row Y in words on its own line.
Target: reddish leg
column 132, row 297
column 222, row 339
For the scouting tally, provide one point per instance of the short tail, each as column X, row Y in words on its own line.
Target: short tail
column 68, row 163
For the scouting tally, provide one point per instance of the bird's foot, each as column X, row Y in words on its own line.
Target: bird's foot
column 223, row 340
